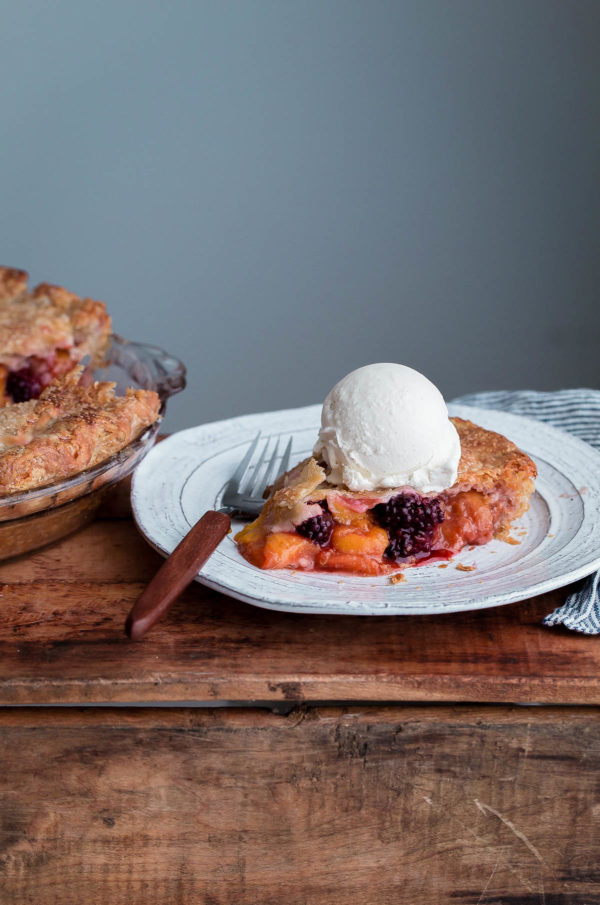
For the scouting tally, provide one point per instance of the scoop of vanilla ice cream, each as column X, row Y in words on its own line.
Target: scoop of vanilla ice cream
column 386, row 425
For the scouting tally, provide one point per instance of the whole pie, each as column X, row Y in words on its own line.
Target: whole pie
column 308, row 523
column 44, row 334
column 55, row 421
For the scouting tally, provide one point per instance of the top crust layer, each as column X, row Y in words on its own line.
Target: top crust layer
column 13, row 284
column 47, row 319
column 69, row 429
column 488, row 458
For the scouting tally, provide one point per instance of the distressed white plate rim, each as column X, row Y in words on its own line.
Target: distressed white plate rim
column 559, row 537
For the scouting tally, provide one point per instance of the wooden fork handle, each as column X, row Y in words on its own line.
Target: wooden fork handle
column 177, row 572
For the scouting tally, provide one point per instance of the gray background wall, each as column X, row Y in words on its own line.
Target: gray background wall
column 279, row 192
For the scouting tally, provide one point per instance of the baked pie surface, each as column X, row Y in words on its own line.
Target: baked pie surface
column 44, row 333
column 55, row 421
column 310, row 524
column 70, row 428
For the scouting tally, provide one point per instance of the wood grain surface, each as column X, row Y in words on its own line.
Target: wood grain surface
column 62, row 641
column 382, row 806
column 400, row 803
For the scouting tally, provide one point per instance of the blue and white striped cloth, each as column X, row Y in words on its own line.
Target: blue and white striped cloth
column 578, row 412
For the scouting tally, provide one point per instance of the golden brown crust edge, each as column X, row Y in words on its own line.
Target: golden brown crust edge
column 69, row 429
column 13, row 283
column 50, row 318
column 488, row 457
column 89, row 317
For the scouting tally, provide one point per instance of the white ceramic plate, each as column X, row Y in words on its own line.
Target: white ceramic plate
column 559, row 537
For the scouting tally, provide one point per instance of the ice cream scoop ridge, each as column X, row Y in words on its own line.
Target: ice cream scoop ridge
column 386, row 425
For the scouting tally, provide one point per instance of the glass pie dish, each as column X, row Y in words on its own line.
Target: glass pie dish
column 37, row 517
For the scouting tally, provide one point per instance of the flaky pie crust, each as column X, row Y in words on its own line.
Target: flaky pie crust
column 69, row 429
column 47, row 319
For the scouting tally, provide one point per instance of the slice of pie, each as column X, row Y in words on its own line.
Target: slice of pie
column 70, row 428
column 308, row 523
column 44, row 334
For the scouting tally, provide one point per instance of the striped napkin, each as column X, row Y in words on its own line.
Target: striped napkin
column 578, row 413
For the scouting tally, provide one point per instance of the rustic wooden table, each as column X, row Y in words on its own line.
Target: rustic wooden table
column 381, row 760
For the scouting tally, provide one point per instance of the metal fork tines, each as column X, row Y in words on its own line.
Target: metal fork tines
column 244, row 491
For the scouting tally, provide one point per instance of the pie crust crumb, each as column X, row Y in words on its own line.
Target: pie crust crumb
column 397, row 578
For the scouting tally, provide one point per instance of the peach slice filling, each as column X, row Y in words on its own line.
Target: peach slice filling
column 470, row 517
column 358, row 544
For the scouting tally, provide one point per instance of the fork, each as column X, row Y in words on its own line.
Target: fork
column 243, row 494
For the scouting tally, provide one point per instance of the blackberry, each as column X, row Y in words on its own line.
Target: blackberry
column 410, row 521
column 318, row 529
column 407, row 510
column 404, row 544
column 23, row 385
